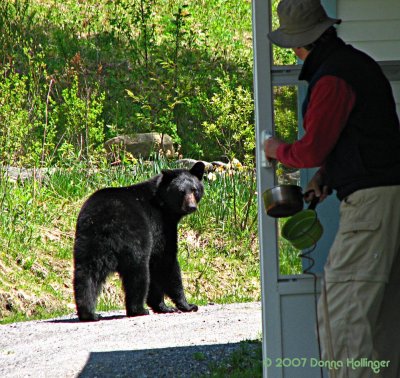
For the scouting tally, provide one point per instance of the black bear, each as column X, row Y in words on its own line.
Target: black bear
column 133, row 231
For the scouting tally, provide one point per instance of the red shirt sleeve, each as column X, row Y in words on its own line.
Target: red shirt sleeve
column 331, row 102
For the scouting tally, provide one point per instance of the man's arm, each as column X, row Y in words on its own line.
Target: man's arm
column 331, row 103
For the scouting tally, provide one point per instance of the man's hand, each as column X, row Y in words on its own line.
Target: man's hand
column 271, row 146
column 317, row 188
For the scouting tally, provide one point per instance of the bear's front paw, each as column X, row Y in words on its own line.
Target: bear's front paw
column 188, row 307
column 164, row 309
column 89, row 317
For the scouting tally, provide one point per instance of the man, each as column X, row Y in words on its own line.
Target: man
column 352, row 133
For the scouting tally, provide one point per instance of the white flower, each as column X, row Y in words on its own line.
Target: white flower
column 212, row 176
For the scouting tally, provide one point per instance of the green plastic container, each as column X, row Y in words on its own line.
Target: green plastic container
column 303, row 229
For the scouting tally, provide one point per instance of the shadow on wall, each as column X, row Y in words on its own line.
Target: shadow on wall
column 188, row 361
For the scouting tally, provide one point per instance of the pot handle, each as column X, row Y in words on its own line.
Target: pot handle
column 314, row 202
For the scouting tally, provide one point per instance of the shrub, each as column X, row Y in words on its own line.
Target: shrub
column 230, row 111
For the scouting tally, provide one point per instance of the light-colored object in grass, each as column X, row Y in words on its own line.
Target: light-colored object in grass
column 143, row 145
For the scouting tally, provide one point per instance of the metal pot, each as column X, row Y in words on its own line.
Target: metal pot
column 283, row 200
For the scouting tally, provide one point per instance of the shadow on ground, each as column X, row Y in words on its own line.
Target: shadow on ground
column 188, row 361
column 74, row 319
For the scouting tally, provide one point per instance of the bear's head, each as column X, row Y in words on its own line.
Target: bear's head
column 180, row 190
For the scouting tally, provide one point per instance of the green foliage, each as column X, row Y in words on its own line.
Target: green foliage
column 13, row 116
column 231, row 113
column 230, row 203
column 133, row 23
column 83, row 129
column 285, row 116
column 16, row 23
column 156, row 62
column 37, row 128
column 281, row 56
column 152, row 66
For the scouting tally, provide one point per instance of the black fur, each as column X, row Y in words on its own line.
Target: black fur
column 133, row 231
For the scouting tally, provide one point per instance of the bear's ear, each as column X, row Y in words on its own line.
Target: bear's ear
column 198, row 170
column 168, row 175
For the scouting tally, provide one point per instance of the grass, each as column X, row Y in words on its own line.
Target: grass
column 243, row 363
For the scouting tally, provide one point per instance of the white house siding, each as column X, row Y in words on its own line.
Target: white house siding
column 374, row 27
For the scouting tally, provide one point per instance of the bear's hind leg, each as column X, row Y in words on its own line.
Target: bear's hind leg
column 87, row 286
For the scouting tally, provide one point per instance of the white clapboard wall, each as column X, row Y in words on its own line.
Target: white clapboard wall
column 374, row 27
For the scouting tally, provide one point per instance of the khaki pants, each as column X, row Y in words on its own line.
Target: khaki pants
column 359, row 308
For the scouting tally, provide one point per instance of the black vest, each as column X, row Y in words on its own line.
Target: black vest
column 367, row 153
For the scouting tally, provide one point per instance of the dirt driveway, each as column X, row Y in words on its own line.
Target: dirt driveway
column 170, row 345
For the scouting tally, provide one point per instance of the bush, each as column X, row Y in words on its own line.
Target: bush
column 151, row 65
column 230, row 113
